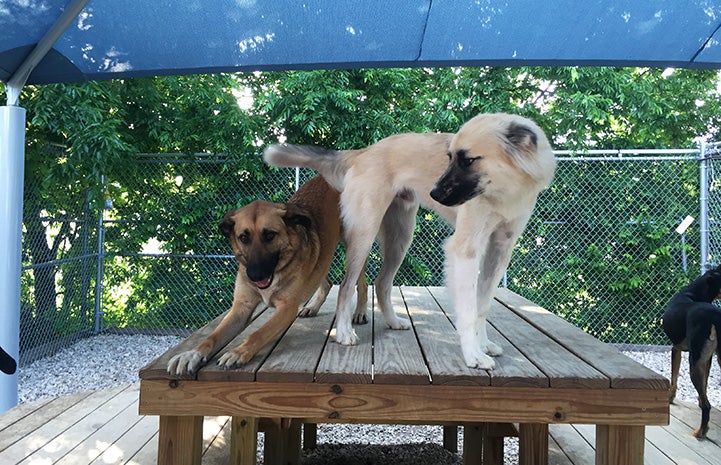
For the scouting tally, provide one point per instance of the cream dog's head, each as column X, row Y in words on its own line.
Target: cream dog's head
column 493, row 155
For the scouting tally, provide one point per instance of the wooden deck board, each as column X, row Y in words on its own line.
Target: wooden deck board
column 623, row 372
column 397, row 357
column 570, row 444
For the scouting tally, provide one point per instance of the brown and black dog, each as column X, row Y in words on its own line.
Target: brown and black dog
column 284, row 252
column 692, row 322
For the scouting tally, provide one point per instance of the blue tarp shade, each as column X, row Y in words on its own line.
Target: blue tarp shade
column 129, row 38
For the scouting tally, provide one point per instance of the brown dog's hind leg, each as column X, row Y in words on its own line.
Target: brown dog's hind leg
column 675, row 366
column 312, row 307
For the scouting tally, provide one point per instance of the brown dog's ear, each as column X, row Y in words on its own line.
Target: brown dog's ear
column 296, row 216
column 227, row 223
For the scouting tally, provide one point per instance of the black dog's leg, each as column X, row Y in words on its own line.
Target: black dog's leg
column 700, row 366
column 675, row 366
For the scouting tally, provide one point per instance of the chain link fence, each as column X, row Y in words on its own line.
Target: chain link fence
column 601, row 249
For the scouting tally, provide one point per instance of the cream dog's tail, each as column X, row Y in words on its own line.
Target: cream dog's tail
column 329, row 163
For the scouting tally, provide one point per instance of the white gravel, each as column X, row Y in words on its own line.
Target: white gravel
column 111, row 360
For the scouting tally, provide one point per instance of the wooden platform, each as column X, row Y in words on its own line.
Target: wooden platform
column 551, row 377
column 550, row 373
column 103, row 427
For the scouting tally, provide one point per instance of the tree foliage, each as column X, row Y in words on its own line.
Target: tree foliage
column 78, row 134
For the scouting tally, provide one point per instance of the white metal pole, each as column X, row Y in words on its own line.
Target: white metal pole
column 703, row 206
column 12, row 169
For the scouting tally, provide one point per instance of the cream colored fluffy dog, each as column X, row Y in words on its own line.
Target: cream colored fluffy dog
column 484, row 180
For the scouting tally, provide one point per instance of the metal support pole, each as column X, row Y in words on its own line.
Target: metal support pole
column 703, row 206
column 12, row 170
column 100, row 268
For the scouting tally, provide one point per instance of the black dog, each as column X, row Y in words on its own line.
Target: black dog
column 693, row 323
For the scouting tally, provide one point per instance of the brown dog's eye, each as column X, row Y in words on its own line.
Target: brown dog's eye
column 244, row 238
column 268, row 236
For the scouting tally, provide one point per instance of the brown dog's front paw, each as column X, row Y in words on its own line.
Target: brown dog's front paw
column 700, row 433
column 235, row 358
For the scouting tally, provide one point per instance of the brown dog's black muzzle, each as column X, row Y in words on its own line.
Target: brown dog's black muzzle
column 260, row 269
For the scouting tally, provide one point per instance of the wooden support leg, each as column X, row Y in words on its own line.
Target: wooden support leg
column 310, row 436
column 243, row 440
column 282, row 444
column 450, row 438
column 180, row 440
column 533, row 444
column 472, row 443
column 619, row 445
column 493, row 435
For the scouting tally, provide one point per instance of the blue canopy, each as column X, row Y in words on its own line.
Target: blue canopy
column 113, row 39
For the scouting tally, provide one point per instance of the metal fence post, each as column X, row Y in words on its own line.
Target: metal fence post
column 703, row 205
column 100, row 268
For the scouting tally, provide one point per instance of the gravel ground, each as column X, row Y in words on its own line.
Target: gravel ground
column 112, row 360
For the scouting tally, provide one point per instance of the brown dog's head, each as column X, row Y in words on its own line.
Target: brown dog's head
column 495, row 155
column 263, row 236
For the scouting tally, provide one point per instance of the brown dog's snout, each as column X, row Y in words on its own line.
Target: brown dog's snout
column 260, row 269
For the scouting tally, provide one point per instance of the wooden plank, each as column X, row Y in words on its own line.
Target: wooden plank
column 129, row 444
column 180, row 440
column 397, row 357
column 688, row 416
column 296, row 355
column 652, row 455
column 212, row 372
column 83, row 440
column 556, row 455
column 682, row 433
column 563, row 368
column 218, row 448
column 573, row 444
column 147, row 453
column 158, row 368
column 19, row 412
column 26, row 425
column 619, row 445
column 439, row 341
column 533, row 444
column 349, row 364
column 512, row 368
column 396, row 403
column 243, row 440
column 52, row 427
column 621, row 370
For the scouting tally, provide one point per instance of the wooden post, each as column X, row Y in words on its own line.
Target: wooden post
column 472, row 443
column 243, row 440
column 180, row 440
column 310, row 436
column 533, row 444
column 619, row 445
column 450, row 438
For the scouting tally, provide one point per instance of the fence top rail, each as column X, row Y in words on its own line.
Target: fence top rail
column 628, row 155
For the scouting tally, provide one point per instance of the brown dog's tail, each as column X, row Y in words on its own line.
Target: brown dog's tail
column 329, row 163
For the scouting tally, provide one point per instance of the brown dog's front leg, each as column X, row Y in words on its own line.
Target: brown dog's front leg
column 283, row 316
column 232, row 324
